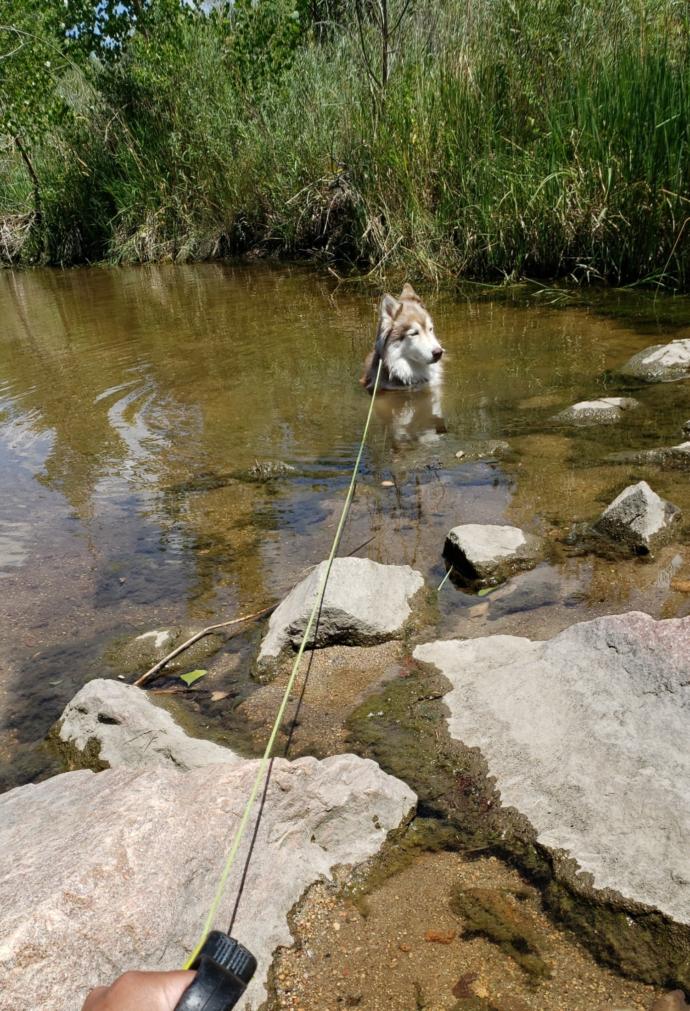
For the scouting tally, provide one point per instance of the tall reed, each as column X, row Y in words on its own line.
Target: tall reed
column 515, row 137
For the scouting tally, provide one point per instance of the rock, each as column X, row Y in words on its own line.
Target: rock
column 142, row 652
column 269, row 470
column 481, row 449
column 104, row 872
column 686, row 429
column 108, row 724
column 604, row 411
column 638, row 517
column 542, row 587
column 365, row 603
column 674, row 1001
column 676, row 457
column 483, row 551
column 661, row 363
column 586, row 736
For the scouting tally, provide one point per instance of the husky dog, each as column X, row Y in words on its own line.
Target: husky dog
column 405, row 343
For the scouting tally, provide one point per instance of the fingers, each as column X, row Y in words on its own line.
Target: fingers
column 155, row 991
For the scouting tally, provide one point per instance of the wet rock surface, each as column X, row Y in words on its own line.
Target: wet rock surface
column 582, row 732
column 118, row 868
column 365, row 603
column 480, row 551
column 639, row 517
column 603, row 411
column 109, row 724
column 660, row 363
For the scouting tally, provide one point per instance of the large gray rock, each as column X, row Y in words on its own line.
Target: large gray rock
column 663, row 363
column 101, row 872
column 604, row 411
column 481, row 551
column 586, row 735
column 365, row 603
column 639, row 517
column 108, row 723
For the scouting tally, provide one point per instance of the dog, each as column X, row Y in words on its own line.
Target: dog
column 405, row 344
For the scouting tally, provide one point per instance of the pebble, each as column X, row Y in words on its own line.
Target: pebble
column 388, row 484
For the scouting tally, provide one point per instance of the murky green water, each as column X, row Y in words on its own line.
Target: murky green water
column 134, row 404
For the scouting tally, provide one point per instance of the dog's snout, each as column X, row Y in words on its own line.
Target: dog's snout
column 436, row 354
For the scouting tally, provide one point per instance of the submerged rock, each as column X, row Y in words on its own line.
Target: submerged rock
column 585, row 734
column 662, row 363
column 604, row 411
column 104, row 872
column 108, row 724
column 674, row 457
column 639, row 517
column 134, row 656
column 481, row 551
column 365, row 603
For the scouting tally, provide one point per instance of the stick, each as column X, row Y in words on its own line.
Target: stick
column 150, row 674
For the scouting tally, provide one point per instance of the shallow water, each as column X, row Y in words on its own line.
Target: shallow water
column 134, row 404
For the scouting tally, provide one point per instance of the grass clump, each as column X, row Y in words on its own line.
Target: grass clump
column 496, row 139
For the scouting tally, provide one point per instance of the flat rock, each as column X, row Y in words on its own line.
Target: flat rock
column 108, row 724
column 481, row 551
column 639, row 517
column 365, row 603
column 604, row 411
column 586, row 735
column 661, row 363
column 102, row 872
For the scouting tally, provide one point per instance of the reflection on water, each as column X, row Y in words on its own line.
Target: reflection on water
column 135, row 403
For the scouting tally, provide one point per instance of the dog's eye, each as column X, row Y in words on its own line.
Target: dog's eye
column 413, row 333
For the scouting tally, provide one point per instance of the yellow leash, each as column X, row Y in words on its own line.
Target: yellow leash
column 266, row 757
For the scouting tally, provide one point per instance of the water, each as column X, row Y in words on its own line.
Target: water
column 134, row 404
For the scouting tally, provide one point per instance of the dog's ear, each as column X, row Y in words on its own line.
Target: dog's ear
column 389, row 309
column 408, row 294
column 388, row 313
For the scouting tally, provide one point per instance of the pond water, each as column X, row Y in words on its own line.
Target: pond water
column 135, row 405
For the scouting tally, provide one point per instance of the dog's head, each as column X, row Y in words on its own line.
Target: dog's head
column 405, row 339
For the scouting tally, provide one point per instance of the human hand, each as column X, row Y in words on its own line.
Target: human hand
column 140, row 991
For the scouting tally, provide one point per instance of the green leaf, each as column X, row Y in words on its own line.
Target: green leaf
column 486, row 590
column 194, row 675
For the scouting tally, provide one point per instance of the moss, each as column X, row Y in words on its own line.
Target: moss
column 71, row 757
column 495, row 914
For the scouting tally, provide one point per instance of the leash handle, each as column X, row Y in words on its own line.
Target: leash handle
column 224, row 968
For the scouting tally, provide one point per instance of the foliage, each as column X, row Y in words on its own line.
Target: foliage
column 538, row 137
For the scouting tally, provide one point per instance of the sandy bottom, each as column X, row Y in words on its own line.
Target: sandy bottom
column 405, row 950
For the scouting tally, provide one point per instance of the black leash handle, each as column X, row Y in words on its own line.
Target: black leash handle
column 224, row 968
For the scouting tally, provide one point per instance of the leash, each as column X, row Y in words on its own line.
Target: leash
column 224, row 966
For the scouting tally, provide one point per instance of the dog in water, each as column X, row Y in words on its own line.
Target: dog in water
column 405, row 344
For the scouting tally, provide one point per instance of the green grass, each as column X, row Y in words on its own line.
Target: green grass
column 539, row 138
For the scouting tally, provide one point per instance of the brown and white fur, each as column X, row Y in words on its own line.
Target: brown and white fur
column 405, row 343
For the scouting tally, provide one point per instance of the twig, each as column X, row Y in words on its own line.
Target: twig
column 150, row 674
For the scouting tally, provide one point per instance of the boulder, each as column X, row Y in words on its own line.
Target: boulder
column 604, row 411
column 365, row 603
column 109, row 723
column 639, row 517
column 102, row 872
column 586, row 735
column 661, row 363
column 480, row 551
